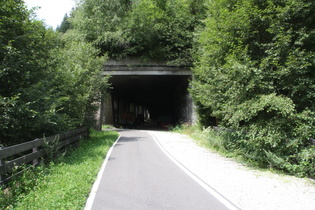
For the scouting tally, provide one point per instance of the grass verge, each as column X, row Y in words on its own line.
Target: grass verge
column 214, row 141
column 235, row 146
column 64, row 183
column 206, row 137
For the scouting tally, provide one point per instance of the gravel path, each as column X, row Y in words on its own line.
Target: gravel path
column 247, row 188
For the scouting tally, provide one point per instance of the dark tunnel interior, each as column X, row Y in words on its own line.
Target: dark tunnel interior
column 163, row 96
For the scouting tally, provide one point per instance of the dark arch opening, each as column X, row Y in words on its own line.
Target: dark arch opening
column 158, row 100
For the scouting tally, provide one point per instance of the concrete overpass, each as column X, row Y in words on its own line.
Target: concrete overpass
column 146, row 92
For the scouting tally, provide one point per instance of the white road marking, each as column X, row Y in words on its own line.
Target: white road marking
column 90, row 200
column 212, row 191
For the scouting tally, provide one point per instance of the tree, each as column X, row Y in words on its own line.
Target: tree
column 65, row 24
column 163, row 29
column 144, row 28
column 78, row 78
column 48, row 81
column 255, row 72
column 24, row 50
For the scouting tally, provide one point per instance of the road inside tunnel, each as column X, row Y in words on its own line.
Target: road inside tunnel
column 163, row 96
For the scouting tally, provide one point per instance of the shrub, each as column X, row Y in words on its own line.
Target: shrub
column 63, row 184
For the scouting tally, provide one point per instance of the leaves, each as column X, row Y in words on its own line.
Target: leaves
column 63, row 184
column 254, row 71
column 144, row 28
column 48, row 81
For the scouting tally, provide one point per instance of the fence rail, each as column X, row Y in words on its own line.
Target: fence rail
column 29, row 153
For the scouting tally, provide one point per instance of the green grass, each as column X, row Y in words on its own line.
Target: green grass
column 64, row 184
column 228, row 144
column 210, row 139
column 107, row 127
column 206, row 137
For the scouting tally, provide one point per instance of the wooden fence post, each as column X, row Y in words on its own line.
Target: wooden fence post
column 0, row 165
column 35, row 161
column 35, row 150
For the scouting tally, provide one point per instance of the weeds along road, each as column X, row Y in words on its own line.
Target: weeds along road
column 139, row 175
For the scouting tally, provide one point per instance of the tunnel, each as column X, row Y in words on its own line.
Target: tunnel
column 152, row 94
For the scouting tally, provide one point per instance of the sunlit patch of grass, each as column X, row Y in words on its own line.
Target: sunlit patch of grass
column 67, row 182
column 207, row 138
column 107, row 126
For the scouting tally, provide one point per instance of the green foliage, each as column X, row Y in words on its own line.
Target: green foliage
column 207, row 137
column 64, row 184
column 163, row 29
column 65, row 24
column 24, row 50
column 100, row 23
column 254, row 72
column 21, row 186
column 78, row 78
column 48, row 81
column 144, row 28
column 285, row 157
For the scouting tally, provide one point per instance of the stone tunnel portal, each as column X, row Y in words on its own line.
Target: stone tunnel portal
column 148, row 93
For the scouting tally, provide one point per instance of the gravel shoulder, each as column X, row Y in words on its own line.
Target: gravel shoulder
column 247, row 188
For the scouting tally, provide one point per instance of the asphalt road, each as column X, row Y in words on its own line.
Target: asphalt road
column 138, row 175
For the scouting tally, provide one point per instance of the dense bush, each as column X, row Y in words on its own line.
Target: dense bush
column 254, row 72
column 148, row 29
column 48, row 81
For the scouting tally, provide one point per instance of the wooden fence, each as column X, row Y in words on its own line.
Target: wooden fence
column 30, row 153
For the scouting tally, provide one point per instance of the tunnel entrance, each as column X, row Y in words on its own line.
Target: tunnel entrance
column 147, row 95
column 158, row 98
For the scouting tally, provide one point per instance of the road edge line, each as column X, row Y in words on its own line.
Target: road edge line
column 91, row 198
column 197, row 179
